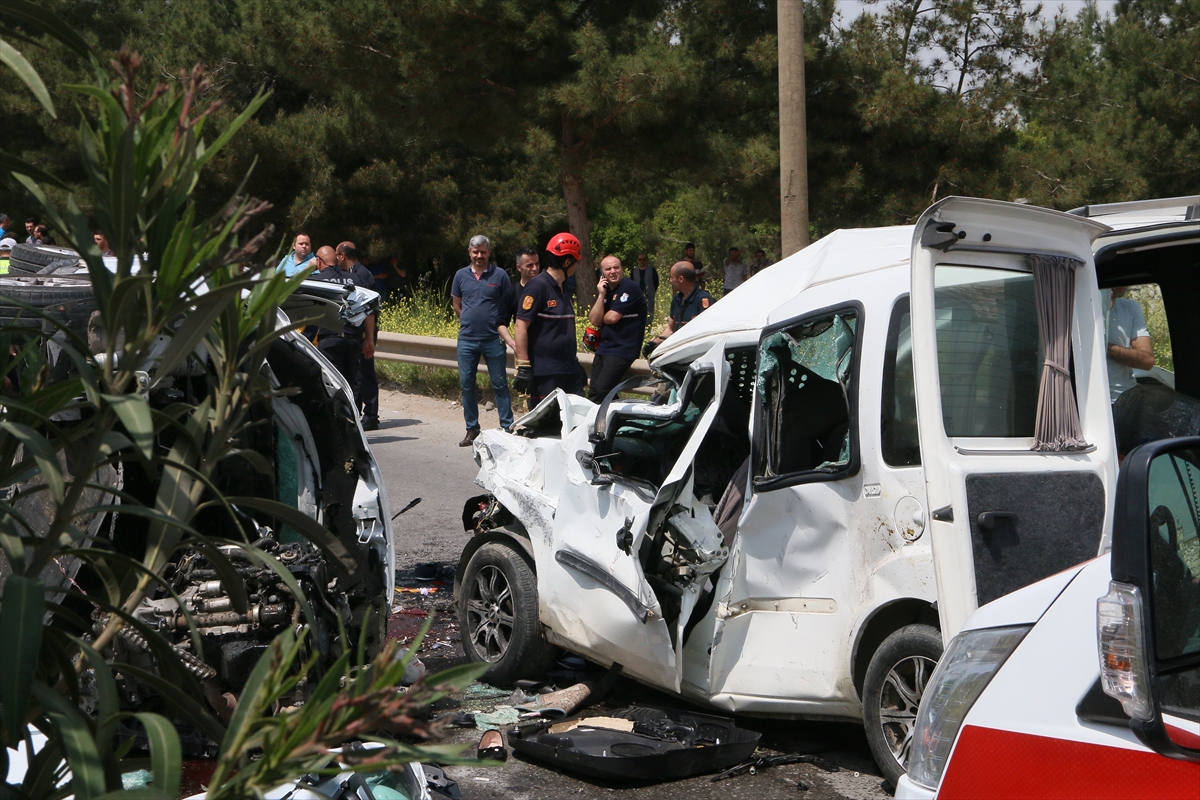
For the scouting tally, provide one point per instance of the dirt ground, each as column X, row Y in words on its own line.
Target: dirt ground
column 417, row 447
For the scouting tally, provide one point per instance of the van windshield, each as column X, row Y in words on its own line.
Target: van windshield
column 988, row 351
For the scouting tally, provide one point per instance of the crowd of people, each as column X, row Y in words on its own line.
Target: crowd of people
column 350, row 348
column 534, row 316
column 35, row 232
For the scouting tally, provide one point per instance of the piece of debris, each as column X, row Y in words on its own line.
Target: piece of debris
column 763, row 762
column 500, row 717
column 437, row 783
column 489, row 406
column 608, row 723
column 637, row 744
column 803, row 786
column 563, row 701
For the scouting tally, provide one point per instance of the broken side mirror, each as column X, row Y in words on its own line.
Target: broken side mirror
column 1148, row 625
column 589, row 462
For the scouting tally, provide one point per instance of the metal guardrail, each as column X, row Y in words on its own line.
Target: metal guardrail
column 431, row 351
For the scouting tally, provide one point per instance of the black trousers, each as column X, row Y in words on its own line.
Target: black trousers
column 366, row 390
column 545, row 385
column 345, row 355
column 607, row 372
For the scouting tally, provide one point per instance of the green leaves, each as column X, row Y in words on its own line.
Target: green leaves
column 21, row 635
column 28, row 75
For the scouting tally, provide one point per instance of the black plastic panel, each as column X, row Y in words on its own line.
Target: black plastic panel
column 1043, row 523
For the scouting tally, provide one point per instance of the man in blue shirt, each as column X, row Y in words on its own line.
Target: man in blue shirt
column 620, row 314
column 300, row 257
column 479, row 293
column 546, row 355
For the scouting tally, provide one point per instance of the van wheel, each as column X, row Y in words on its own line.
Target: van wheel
column 498, row 616
column 896, row 679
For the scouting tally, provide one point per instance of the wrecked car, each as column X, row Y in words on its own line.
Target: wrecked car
column 312, row 456
column 837, row 464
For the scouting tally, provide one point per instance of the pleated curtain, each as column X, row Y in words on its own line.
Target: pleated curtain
column 1057, row 426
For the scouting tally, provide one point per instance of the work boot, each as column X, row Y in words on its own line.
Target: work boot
column 370, row 423
column 469, row 438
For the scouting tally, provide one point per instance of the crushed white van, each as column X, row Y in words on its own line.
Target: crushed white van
column 839, row 462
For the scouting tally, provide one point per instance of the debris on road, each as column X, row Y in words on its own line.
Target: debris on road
column 659, row 744
column 752, row 766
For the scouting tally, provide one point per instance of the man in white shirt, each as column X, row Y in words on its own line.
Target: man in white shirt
column 1129, row 346
column 735, row 270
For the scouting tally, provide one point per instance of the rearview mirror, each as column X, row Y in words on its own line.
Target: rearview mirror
column 1149, row 622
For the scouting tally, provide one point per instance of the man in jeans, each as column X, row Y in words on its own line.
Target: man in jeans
column 479, row 293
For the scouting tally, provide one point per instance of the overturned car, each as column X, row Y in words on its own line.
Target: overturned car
column 308, row 455
column 838, row 463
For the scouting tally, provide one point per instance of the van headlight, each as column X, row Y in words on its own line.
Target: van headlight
column 965, row 670
column 1121, row 644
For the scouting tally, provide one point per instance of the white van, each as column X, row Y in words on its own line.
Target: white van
column 1086, row 684
column 842, row 460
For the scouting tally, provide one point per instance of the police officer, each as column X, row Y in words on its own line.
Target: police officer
column 345, row 347
column 620, row 314
column 689, row 300
column 366, row 385
column 545, row 333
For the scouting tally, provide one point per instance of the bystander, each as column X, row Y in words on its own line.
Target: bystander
column 479, row 293
column 759, row 263
column 646, row 277
column 735, row 270
column 300, row 259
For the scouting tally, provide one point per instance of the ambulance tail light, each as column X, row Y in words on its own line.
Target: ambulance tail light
column 966, row 669
column 1121, row 644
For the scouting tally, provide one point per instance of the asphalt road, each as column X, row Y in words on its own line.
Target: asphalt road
column 417, row 449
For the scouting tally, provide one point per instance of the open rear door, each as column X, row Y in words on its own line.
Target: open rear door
column 1004, row 515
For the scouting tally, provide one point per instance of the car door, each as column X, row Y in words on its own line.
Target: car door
column 1003, row 515
column 596, row 594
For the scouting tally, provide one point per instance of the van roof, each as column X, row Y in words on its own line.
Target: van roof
column 1143, row 213
column 842, row 254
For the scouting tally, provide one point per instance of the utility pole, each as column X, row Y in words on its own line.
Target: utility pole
column 793, row 135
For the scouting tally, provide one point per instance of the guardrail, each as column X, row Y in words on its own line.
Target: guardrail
column 431, row 351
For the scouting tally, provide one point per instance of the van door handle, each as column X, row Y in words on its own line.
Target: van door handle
column 988, row 519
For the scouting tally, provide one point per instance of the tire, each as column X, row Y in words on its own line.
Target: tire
column 32, row 258
column 896, row 678
column 16, row 292
column 498, row 616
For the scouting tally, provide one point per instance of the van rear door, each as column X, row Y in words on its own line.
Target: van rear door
column 1004, row 515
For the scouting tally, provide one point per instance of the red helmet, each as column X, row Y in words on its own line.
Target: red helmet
column 564, row 244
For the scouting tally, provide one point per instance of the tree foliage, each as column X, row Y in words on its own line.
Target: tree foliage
column 409, row 125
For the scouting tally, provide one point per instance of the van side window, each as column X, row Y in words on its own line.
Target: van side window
column 988, row 360
column 805, row 395
column 898, row 438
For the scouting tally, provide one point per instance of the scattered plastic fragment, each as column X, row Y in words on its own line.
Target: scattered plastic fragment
column 501, row 717
column 138, row 779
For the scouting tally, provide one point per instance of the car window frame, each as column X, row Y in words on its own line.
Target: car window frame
column 760, row 422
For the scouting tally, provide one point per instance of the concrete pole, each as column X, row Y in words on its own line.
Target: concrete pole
column 793, row 136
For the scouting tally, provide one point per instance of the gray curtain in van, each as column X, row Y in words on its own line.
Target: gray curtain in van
column 1057, row 425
